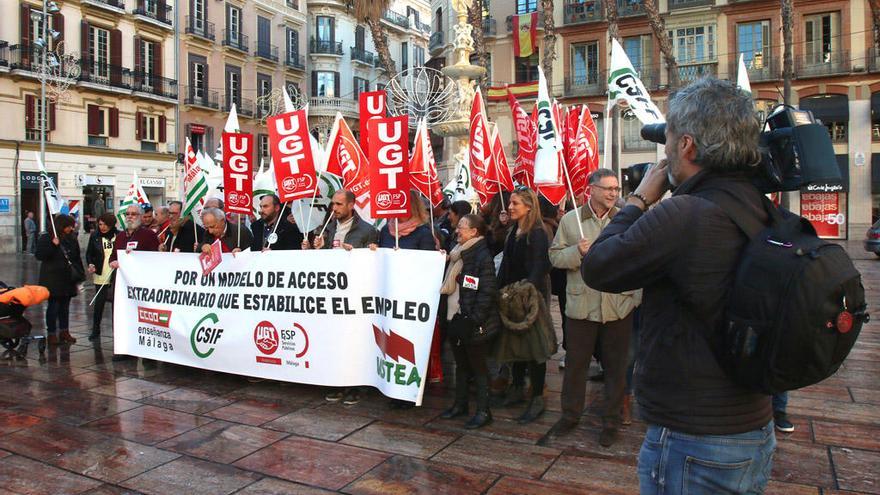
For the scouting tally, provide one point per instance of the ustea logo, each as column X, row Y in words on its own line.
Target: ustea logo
column 396, row 349
column 158, row 317
column 266, row 339
column 205, row 335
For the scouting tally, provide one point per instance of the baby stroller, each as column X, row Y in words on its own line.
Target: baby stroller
column 15, row 329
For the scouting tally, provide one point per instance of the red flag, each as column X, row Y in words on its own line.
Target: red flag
column 524, row 165
column 423, row 167
column 292, row 155
column 347, row 160
column 238, row 182
column 500, row 170
column 372, row 105
column 480, row 152
column 592, row 136
column 389, row 174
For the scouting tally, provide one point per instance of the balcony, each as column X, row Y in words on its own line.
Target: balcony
column 437, row 42
column 294, row 4
column 630, row 8
column 266, row 51
column 235, row 41
column 325, row 47
column 199, row 27
column 762, row 67
column 152, row 85
column 585, row 85
column 823, row 64
column 582, row 12
column 153, row 14
column 421, row 27
column 490, row 26
column 690, row 72
column 328, row 106
column 243, row 107
column 396, row 19
column 199, row 97
column 4, row 55
column 295, row 61
column 117, row 6
column 683, row 4
column 102, row 74
column 873, row 57
column 650, row 78
column 509, row 21
column 365, row 57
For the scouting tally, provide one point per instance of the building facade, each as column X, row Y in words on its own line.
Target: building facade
column 837, row 76
column 343, row 61
column 237, row 51
column 116, row 117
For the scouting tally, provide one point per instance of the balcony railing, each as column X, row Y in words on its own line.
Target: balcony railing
column 490, row 26
column 688, row 73
column 155, row 85
column 823, row 64
column 236, row 41
column 509, row 21
column 421, row 26
column 328, row 105
column 295, row 61
column 683, row 4
column 581, row 12
column 363, row 56
column 437, row 41
column 294, row 4
column 243, row 107
column 650, row 78
column 586, row 85
column 164, row 17
column 104, row 74
column 201, row 98
column 4, row 53
column 266, row 51
column 199, row 27
column 763, row 67
column 117, row 4
column 396, row 18
column 873, row 58
column 629, row 8
column 325, row 47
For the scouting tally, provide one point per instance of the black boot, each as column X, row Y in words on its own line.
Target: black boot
column 460, row 406
column 483, row 415
column 514, row 395
column 535, row 409
column 95, row 335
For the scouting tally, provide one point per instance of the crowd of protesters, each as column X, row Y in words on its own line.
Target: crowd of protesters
column 504, row 264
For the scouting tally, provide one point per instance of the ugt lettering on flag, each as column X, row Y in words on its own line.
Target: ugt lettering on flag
column 389, row 177
column 292, row 155
column 238, row 183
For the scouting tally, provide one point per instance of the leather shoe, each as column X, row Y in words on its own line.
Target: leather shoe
column 607, row 437
column 52, row 339
column 65, row 337
column 535, row 409
column 455, row 411
column 479, row 420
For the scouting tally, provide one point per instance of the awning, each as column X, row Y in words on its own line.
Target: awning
column 827, row 108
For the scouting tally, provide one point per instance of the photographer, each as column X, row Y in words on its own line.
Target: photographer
column 704, row 431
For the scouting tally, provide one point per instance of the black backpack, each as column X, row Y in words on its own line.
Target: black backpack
column 796, row 307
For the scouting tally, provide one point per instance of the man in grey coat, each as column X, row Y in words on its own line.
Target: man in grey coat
column 348, row 231
column 30, row 231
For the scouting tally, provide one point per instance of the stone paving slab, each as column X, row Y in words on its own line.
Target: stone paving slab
column 72, row 421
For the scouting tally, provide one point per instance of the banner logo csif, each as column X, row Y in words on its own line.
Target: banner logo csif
column 205, row 335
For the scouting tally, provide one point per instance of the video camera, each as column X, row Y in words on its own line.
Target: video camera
column 796, row 150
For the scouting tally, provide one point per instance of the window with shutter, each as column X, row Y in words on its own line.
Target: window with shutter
column 51, row 116
column 138, row 125
column 30, row 105
column 113, row 122
column 163, row 124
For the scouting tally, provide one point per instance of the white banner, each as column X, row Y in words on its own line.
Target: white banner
column 624, row 83
column 328, row 317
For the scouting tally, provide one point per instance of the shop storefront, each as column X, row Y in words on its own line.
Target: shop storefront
column 97, row 194
column 826, row 205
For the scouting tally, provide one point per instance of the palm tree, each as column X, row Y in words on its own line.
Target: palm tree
column 475, row 15
column 370, row 13
column 658, row 26
column 549, row 41
column 612, row 17
column 787, row 63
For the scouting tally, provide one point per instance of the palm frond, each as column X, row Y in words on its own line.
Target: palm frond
column 369, row 9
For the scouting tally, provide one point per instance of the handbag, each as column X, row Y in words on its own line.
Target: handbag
column 77, row 272
column 461, row 328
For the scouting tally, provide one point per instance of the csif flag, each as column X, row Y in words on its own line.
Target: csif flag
column 53, row 198
column 135, row 196
column 238, row 183
column 480, row 151
column 290, row 146
column 549, row 145
column 423, row 167
column 195, row 185
column 624, row 83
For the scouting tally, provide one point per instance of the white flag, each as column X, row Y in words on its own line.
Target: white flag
column 53, row 198
column 742, row 76
column 547, row 166
column 624, row 83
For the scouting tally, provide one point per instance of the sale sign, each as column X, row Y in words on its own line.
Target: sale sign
column 389, row 177
column 292, row 155
column 826, row 212
column 238, row 183
column 372, row 105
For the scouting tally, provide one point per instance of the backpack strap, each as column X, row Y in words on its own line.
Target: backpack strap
column 731, row 204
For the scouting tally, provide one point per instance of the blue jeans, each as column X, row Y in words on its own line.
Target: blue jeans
column 780, row 402
column 679, row 463
column 57, row 315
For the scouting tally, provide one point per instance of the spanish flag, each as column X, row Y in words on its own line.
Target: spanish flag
column 525, row 34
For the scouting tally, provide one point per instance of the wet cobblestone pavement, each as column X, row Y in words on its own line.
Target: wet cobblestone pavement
column 75, row 422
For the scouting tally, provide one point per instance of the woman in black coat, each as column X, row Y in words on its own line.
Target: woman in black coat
column 98, row 253
column 61, row 271
column 472, row 314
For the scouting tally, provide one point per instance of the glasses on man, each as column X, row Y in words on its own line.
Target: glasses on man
column 613, row 189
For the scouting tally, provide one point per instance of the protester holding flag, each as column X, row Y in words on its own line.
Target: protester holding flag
column 98, row 253
column 233, row 238
column 286, row 236
column 526, row 344
column 414, row 232
column 348, row 231
column 61, row 271
column 187, row 237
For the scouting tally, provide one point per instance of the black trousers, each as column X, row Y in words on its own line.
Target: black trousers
column 470, row 359
column 537, row 372
column 58, row 315
column 100, row 303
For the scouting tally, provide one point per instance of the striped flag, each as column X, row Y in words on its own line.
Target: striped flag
column 53, row 198
column 195, row 185
column 135, row 196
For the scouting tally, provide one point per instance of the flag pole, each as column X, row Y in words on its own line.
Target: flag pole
column 102, row 287
column 577, row 211
column 325, row 225
column 238, row 224
column 396, row 233
column 195, row 232
column 281, row 214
